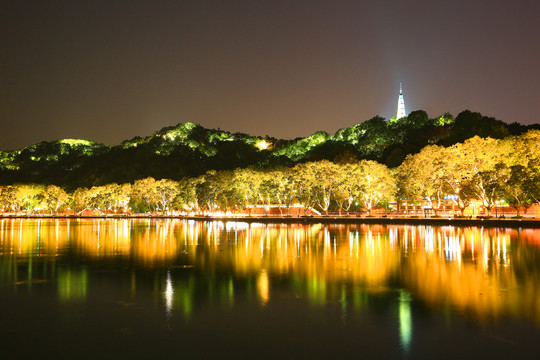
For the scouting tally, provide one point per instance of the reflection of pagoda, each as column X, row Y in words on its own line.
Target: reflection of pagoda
column 401, row 105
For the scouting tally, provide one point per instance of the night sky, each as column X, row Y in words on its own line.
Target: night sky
column 111, row 70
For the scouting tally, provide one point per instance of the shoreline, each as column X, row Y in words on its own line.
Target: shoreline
column 387, row 220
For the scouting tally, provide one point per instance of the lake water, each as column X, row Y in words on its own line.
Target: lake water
column 109, row 289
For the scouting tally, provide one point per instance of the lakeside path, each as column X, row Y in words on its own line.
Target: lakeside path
column 389, row 220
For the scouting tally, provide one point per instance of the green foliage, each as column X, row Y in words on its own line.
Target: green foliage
column 444, row 119
column 300, row 147
column 488, row 170
column 189, row 150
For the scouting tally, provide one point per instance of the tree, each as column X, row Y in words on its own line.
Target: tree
column 166, row 190
column 81, row 199
column 121, row 195
column 186, row 198
column 25, row 197
column 266, row 189
column 53, row 197
column 212, row 191
column 283, row 187
column 316, row 183
column 144, row 191
column 525, row 147
column 459, row 167
column 487, row 158
column 328, row 182
column 518, row 187
column 245, row 185
column 423, row 175
column 8, row 197
column 375, row 184
column 344, row 194
column 99, row 198
column 304, row 182
column 3, row 198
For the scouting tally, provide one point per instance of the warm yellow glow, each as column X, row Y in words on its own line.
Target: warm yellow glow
column 471, row 269
column 263, row 289
column 262, row 145
column 75, row 142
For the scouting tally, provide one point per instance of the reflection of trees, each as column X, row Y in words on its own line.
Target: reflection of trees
column 26, row 238
column 304, row 251
column 489, row 273
column 473, row 270
column 154, row 243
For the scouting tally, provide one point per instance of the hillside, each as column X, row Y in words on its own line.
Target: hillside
column 189, row 150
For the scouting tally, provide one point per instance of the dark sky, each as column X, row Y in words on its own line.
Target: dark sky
column 110, row 70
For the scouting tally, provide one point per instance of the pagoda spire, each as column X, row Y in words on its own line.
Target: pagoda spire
column 401, row 104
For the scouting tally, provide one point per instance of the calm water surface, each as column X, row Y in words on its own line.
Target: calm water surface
column 161, row 288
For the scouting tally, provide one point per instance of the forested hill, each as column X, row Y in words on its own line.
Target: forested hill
column 190, row 150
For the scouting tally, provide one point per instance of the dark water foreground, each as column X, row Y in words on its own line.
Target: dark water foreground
column 110, row 289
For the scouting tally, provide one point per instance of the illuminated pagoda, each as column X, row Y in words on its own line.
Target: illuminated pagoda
column 401, row 105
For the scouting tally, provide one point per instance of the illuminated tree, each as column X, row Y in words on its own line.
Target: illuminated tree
column 186, row 199
column 487, row 159
column 212, row 191
column 166, row 190
column 24, row 197
column 487, row 186
column 227, row 198
column 525, row 147
column 245, row 186
column 459, row 169
column 327, row 182
column 315, row 183
column 282, row 187
column 304, row 183
column 54, row 197
column 3, row 198
column 99, row 198
column 518, row 187
column 375, row 184
column 121, row 195
column 524, row 179
column 299, row 148
column 144, row 192
column 110, row 197
column 267, row 189
column 345, row 193
column 423, row 175
column 81, row 199
column 442, row 120
column 8, row 198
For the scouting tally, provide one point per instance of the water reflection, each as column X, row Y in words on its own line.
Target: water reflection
column 168, row 295
column 72, row 285
column 484, row 272
column 405, row 320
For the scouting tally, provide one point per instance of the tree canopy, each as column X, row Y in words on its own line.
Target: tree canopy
column 189, row 150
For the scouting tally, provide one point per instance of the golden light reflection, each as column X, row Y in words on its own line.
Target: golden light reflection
column 486, row 272
column 263, row 289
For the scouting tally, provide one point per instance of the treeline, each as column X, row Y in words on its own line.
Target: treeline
column 505, row 171
column 189, row 150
